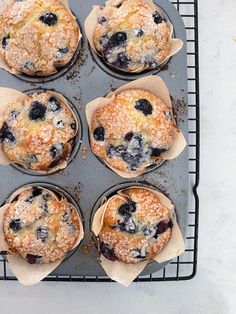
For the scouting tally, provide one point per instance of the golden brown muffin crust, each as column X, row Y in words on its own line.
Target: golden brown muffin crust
column 39, row 227
column 132, row 36
column 131, row 132
column 38, row 131
column 135, row 229
column 37, row 35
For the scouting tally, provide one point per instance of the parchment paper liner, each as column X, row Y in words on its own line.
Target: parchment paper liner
column 26, row 273
column 92, row 20
column 156, row 86
column 125, row 273
column 4, row 65
column 8, row 95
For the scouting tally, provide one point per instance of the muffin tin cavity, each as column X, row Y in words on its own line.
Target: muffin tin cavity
column 37, row 112
column 122, row 59
column 41, row 231
column 126, row 212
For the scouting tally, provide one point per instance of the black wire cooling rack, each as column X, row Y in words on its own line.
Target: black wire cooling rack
column 185, row 266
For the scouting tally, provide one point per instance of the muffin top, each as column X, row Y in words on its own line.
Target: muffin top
column 38, row 131
column 135, row 228
column 132, row 131
column 132, row 36
column 40, row 227
column 37, row 36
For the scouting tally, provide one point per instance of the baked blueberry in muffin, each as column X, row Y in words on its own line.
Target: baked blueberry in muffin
column 136, row 226
column 38, row 132
column 37, row 36
column 131, row 36
column 132, row 131
column 39, row 226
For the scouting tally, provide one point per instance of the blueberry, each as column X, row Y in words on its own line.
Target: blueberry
column 138, row 32
column 13, row 115
column 117, row 39
column 127, row 225
column 131, row 153
column 73, row 125
column 53, row 104
column 42, row 234
column 65, row 217
column 144, row 106
column 29, row 199
column 33, row 259
column 149, row 232
column 156, row 152
column 127, row 209
column 15, row 225
column 48, row 18
column 99, row 134
column 37, row 111
column 107, row 252
column 32, row 159
column 56, row 150
column 153, row 64
column 111, row 151
column 43, row 207
column 64, row 50
column 104, row 42
column 132, row 160
column 5, row 42
column 124, row 210
column 60, row 124
column 46, row 196
column 36, row 192
column 132, row 206
column 162, row 226
column 157, row 18
column 120, row 149
column 61, row 52
column 5, row 134
column 129, row 136
column 139, row 253
column 135, row 145
column 102, row 20
column 71, row 227
column 29, row 65
column 122, row 61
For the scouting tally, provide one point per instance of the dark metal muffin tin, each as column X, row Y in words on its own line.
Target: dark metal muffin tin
column 86, row 179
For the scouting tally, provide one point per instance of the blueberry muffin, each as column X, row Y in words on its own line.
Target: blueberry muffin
column 135, row 228
column 132, row 36
column 132, row 131
column 37, row 36
column 40, row 227
column 38, row 132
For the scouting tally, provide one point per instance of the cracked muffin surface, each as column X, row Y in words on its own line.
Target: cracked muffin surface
column 40, row 227
column 37, row 36
column 136, row 228
column 132, row 36
column 38, row 132
column 132, row 131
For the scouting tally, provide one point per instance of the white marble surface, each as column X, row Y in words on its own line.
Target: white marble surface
column 214, row 288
